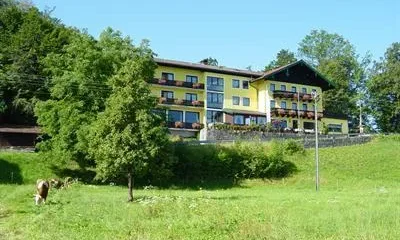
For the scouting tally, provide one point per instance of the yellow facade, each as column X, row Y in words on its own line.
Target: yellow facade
column 238, row 90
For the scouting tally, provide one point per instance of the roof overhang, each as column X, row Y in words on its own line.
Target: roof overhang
column 298, row 72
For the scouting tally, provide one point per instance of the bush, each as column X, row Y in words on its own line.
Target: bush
column 238, row 161
column 292, row 146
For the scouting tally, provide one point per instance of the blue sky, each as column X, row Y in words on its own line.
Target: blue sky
column 236, row 33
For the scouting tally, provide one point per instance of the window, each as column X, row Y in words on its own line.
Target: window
column 283, row 87
column 191, row 96
column 214, row 116
column 294, row 106
column 283, row 124
column 215, row 84
column 313, row 107
column 304, row 90
column 304, row 107
column 167, row 76
column 294, row 89
column 235, row 100
column 215, row 100
column 272, row 87
column 261, row 120
column 283, row 104
column 334, row 128
column 245, row 84
column 246, row 101
column 167, row 94
column 175, row 116
column 191, row 117
column 272, row 103
column 238, row 119
column 191, row 79
column 235, row 83
column 308, row 125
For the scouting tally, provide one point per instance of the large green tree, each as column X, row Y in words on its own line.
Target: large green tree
column 336, row 58
column 80, row 87
column 283, row 57
column 128, row 136
column 384, row 90
column 27, row 36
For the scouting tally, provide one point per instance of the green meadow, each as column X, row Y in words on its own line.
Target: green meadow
column 359, row 198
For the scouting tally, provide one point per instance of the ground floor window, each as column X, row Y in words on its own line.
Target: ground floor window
column 334, row 128
column 309, row 125
column 238, row 119
column 175, row 116
column 214, row 116
column 261, row 120
column 191, row 117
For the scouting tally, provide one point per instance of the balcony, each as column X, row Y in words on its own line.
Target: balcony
column 185, row 125
column 215, row 105
column 217, row 88
column 182, row 102
column 176, row 83
column 292, row 95
column 283, row 112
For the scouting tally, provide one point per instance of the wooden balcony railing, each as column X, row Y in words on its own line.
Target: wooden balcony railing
column 177, row 83
column 183, row 102
column 185, row 125
column 292, row 95
column 283, row 112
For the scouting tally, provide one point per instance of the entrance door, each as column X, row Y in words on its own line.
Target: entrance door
column 295, row 124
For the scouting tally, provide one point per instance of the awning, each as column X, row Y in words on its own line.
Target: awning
column 244, row 112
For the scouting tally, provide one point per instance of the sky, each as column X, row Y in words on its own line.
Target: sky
column 237, row 33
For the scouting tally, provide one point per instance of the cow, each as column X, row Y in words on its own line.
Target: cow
column 42, row 189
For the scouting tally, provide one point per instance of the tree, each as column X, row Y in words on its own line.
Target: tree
column 336, row 58
column 128, row 136
column 384, row 90
column 283, row 57
column 26, row 37
column 79, row 89
column 210, row 61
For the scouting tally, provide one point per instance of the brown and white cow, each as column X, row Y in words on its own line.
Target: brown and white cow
column 42, row 189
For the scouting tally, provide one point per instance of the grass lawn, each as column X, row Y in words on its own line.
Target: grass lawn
column 359, row 198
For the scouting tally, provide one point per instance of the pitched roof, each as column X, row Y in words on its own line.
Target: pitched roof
column 317, row 80
column 208, row 68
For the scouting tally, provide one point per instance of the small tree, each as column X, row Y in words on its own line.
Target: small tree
column 128, row 136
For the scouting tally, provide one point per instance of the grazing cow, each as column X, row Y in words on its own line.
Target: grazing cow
column 42, row 189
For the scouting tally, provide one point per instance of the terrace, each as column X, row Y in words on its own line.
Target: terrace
column 176, row 83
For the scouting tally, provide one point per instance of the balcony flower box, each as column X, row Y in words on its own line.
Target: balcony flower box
column 295, row 96
column 307, row 97
column 197, row 85
column 179, row 83
column 302, row 114
column 287, row 95
column 196, row 103
column 179, row 101
column 179, row 124
column 197, row 125
column 162, row 100
column 320, row 115
column 310, row 115
column 162, row 81
column 292, row 113
column 274, row 112
column 281, row 112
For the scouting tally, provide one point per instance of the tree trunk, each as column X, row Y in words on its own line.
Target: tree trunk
column 130, row 187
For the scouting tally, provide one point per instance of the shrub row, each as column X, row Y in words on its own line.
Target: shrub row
column 234, row 161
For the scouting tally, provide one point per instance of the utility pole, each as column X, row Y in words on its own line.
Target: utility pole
column 360, row 126
column 316, row 99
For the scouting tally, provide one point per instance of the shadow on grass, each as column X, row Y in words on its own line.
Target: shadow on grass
column 10, row 173
column 83, row 175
